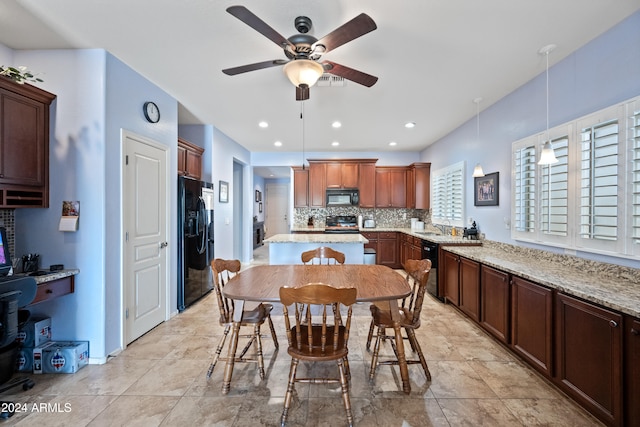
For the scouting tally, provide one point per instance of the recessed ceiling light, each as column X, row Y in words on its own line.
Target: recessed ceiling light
column 336, row 124
column 278, row 144
column 393, row 143
column 335, row 143
column 263, row 124
column 410, row 125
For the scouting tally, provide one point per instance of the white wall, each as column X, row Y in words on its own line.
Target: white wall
column 581, row 83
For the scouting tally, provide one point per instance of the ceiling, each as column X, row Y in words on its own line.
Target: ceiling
column 432, row 58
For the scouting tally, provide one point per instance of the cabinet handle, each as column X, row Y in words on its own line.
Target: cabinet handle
column 613, row 323
column 635, row 331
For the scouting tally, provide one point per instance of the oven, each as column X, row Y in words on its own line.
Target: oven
column 430, row 252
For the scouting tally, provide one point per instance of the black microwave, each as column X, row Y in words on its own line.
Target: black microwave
column 349, row 197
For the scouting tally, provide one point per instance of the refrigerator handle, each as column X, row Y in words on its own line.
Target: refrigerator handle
column 201, row 216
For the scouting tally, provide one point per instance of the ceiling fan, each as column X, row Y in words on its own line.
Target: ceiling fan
column 303, row 66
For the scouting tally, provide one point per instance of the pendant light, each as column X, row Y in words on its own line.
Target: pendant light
column 477, row 171
column 547, row 156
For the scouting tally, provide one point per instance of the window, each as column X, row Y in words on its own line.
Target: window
column 590, row 199
column 447, row 200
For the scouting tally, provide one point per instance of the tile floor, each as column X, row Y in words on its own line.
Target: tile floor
column 160, row 380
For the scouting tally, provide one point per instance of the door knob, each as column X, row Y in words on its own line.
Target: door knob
column 164, row 245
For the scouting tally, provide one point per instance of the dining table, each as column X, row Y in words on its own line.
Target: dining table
column 374, row 283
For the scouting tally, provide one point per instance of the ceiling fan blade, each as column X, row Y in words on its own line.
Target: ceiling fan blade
column 249, row 18
column 358, row 26
column 349, row 73
column 252, row 67
column 302, row 93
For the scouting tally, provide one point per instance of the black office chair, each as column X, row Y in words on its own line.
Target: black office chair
column 15, row 292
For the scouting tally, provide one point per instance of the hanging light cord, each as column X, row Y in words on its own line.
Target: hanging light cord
column 547, row 55
column 302, row 118
column 477, row 121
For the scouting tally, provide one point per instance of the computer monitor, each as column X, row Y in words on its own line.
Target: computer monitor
column 5, row 255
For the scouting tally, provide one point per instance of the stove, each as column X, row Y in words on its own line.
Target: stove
column 341, row 224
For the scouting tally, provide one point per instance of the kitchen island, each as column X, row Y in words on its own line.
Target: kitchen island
column 287, row 248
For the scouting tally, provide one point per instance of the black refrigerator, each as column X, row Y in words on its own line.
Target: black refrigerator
column 195, row 240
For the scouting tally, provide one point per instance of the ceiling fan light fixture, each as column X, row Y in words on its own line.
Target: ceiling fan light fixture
column 303, row 72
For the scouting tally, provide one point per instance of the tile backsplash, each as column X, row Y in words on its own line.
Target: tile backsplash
column 387, row 217
column 7, row 220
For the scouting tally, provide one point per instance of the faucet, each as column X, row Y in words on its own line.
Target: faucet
column 441, row 227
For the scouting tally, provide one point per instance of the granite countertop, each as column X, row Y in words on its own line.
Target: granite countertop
column 432, row 236
column 609, row 285
column 317, row 238
column 52, row 275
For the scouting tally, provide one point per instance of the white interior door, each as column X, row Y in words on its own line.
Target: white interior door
column 276, row 219
column 145, row 226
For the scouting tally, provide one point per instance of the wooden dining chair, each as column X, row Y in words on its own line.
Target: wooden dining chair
column 410, row 309
column 320, row 338
column 223, row 271
column 322, row 255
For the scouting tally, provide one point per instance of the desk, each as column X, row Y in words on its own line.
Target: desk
column 262, row 284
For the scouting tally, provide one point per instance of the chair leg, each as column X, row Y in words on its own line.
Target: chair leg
column 290, row 387
column 376, row 351
column 414, row 343
column 256, row 330
column 370, row 335
column 345, row 391
column 218, row 350
column 273, row 333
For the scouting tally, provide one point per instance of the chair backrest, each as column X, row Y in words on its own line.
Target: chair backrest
column 223, row 270
column 417, row 278
column 322, row 255
column 334, row 331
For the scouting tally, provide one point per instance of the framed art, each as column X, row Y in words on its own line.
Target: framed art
column 260, row 207
column 258, row 196
column 224, row 192
column 486, row 190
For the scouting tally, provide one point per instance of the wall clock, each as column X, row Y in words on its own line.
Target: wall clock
column 151, row 112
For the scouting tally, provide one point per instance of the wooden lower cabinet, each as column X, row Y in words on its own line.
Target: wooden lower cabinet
column 532, row 323
column 450, row 265
column 387, row 252
column 470, row 288
column 632, row 371
column 589, row 356
column 495, row 302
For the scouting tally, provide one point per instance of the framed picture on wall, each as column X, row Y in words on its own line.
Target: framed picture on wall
column 260, row 207
column 224, row 192
column 258, row 196
column 486, row 190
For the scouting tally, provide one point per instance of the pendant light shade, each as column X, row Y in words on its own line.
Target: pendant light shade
column 303, row 72
column 547, row 156
column 477, row 171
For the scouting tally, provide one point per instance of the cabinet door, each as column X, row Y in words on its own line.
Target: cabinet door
column 494, row 309
column 470, row 288
column 387, row 252
column 350, row 175
column 317, row 188
column 589, row 356
column 372, row 237
column 383, row 191
column 398, row 187
column 300, row 187
column 22, row 149
column 334, row 175
column 632, row 371
column 194, row 164
column 422, row 183
column 531, row 323
column 367, row 184
column 189, row 159
column 182, row 160
column 450, row 265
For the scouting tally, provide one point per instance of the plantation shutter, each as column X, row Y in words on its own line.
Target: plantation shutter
column 448, row 195
column 635, row 177
column 525, row 181
column 599, row 181
column 554, row 215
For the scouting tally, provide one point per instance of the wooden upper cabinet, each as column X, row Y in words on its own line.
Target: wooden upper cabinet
column 189, row 159
column 24, row 145
column 367, row 184
column 419, row 186
column 300, row 187
column 391, row 187
column 342, row 175
column 317, row 186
